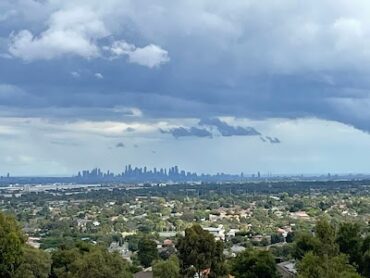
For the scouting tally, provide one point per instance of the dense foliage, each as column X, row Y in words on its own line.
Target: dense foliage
column 332, row 253
column 198, row 251
column 89, row 233
column 167, row 269
column 11, row 246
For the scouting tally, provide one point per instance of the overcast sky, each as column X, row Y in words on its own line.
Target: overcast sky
column 245, row 85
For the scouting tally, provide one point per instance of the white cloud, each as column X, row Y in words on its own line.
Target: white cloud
column 76, row 29
column 129, row 111
column 75, row 74
column 119, row 48
column 74, row 32
column 98, row 75
column 150, row 56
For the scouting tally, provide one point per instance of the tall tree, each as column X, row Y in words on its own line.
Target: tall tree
column 365, row 259
column 147, row 252
column 313, row 266
column 88, row 261
column 349, row 241
column 304, row 242
column 325, row 233
column 167, row 269
column 254, row 264
column 35, row 264
column 11, row 245
column 199, row 251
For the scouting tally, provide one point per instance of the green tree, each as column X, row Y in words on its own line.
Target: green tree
column 276, row 238
column 88, row 261
column 98, row 263
column 290, row 237
column 35, row 264
column 325, row 233
column 314, row 266
column 365, row 258
column 254, row 264
column 198, row 251
column 218, row 267
column 365, row 264
column 11, row 245
column 304, row 243
column 349, row 241
column 147, row 252
column 167, row 269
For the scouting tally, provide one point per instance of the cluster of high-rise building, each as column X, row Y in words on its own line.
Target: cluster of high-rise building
column 156, row 174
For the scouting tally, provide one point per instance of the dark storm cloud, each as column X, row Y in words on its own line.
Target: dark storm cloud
column 273, row 140
column 187, row 132
column 228, row 130
column 260, row 63
column 120, row 145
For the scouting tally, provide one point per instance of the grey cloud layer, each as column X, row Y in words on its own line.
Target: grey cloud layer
column 271, row 140
column 187, row 132
column 255, row 59
column 228, row 130
column 223, row 128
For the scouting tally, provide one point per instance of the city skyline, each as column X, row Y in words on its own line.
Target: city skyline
column 168, row 172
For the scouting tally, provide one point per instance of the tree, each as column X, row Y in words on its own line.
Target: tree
column 284, row 251
column 99, row 263
column 365, row 260
column 349, row 241
column 167, row 269
column 313, row 266
column 276, row 238
column 332, row 254
column 133, row 242
column 254, row 264
column 35, row 264
column 147, row 252
column 304, row 243
column 199, row 251
column 325, row 233
column 290, row 237
column 167, row 252
column 365, row 264
column 218, row 263
column 296, row 206
column 88, row 261
column 11, row 243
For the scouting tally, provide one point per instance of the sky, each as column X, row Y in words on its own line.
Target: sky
column 275, row 86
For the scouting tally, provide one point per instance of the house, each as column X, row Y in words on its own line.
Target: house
column 300, row 215
column 218, row 233
column 167, row 242
column 232, row 232
column 96, row 223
